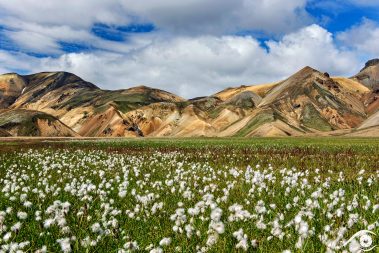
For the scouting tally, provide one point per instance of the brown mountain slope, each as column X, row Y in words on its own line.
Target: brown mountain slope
column 365, row 132
column 113, row 104
column 11, row 87
column 352, row 85
column 371, row 102
column 108, row 123
column 4, row 133
column 170, row 119
column 20, row 122
column 260, row 90
column 373, row 120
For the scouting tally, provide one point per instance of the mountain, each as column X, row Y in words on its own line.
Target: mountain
column 369, row 75
column 11, row 87
column 80, row 105
column 307, row 103
column 20, row 122
column 4, row 133
column 316, row 102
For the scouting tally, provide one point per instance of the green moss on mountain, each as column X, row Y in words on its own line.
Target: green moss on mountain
column 311, row 118
column 25, row 121
column 254, row 123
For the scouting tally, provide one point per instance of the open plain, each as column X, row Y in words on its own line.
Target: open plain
column 187, row 195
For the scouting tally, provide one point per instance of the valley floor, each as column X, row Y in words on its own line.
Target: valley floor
column 188, row 195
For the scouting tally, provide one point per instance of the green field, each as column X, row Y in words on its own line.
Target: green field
column 188, row 195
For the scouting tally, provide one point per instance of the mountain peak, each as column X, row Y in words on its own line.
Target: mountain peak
column 10, row 74
column 142, row 87
column 371, row 63
column 308, row 69
column 58, row 79
column 369, row 75
column 303, row 74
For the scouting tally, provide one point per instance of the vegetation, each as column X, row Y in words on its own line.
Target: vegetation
column 25, row 121
column 312, row 119
column 255, row 122
column 188, row 195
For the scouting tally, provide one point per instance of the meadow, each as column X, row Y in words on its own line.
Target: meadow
column 189, row 195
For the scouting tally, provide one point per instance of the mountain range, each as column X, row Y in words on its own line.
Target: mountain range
column 311, row 103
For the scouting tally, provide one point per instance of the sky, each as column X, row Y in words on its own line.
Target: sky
column 189, row 47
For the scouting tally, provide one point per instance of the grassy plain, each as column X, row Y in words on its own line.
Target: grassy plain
column 187, row 195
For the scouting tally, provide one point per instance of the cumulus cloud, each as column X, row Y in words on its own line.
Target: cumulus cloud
column 190, row 16
column 46, row 39
column 312, row 45
column 15, row 61
column 363, row 37
column 220, row 16
column 73, row 13
column 40, row 28
column 194, row 66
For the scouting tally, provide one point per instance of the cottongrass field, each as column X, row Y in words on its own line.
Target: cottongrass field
column 192, row 195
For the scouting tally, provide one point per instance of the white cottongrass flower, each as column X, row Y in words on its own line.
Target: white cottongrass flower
column 42, row 250
column 156, row 250
column 354, row 246
column 242, row 240
column 22, row 215
column 165, row 242
column 96, row 228
column 65, row 245
column 16, row 227
column 122, row 194
column 7, row 236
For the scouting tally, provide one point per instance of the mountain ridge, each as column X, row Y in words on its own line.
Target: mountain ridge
column 308, row 102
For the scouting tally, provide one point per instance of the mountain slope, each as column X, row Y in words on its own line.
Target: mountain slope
column 11, row 87
column 260, row 90
column 369, row 75
column 20, row 122
column 4, row 133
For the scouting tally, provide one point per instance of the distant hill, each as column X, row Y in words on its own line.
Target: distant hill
column 21, row 122
column 369, row 75
column 307, row 103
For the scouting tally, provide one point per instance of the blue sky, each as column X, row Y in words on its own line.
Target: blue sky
column 189, row 47
column 337, row 16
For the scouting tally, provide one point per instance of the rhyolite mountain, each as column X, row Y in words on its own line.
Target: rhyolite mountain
column 369, row 75
column 307, row 103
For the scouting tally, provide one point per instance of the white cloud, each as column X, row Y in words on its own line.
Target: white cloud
column 363, row 37
column 10, row 62
column 73, row 13
column 37, row 38
column 34, row 42
column 314, row 46
column 220, row 16
column 276, row 16
column 202, row 65
column 184, row 17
